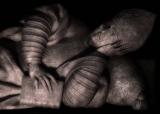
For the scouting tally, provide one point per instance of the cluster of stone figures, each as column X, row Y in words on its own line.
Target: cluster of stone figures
column 56, row 59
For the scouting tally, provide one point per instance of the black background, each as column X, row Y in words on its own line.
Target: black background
column 93, row 13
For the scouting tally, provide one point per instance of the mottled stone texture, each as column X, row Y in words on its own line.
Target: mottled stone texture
column 126, row 32
column 59, row 61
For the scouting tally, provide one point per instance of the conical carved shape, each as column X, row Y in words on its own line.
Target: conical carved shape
column 126, row 32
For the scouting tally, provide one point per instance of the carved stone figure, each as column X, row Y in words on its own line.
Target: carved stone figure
column 52, row 46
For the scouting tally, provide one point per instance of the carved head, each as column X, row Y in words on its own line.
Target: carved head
column 126, row 32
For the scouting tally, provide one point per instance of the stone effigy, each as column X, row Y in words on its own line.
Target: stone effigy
column 62, row 61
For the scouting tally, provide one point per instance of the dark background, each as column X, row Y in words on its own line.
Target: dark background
column 93, row 13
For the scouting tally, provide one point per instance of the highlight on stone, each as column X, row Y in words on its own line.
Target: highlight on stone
column 57, row 60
